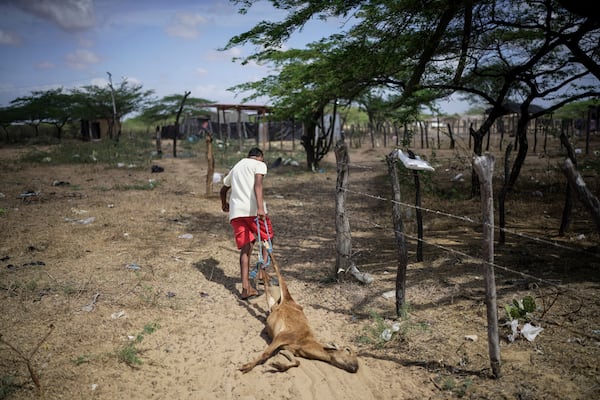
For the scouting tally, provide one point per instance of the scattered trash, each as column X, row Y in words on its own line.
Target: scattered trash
column 78, row 212
column 388, row 332
column 458, row 178
column 157, row 168
column 60, row 183
column 217, row 177
column 514, row 326
column 185, row 236
column 90, row 307
column 133, row 267
column 538, row 193
column 94, row 386
column 580, row 237
column 386, row 335
column 170, row 294
column 120, row 165
column 118, row 314
column 34, row 264
column 528, row 331
column 85, row 221
column 2, row 195
column 289, row 161
column 203, row 294
column 471, row 338
column 29, row 193
column 389, row 294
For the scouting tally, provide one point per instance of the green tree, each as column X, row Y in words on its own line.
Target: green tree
column 8, row 115
column 492, row 51
column 59, row 109
column 31, row 110
column 164, row 111
column 96, row 102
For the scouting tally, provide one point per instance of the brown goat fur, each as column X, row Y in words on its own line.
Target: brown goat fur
column 292, row 335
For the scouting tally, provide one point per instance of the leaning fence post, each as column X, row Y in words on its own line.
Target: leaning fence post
column 484, row 166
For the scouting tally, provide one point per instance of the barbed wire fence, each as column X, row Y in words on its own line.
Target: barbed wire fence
column 560, row 289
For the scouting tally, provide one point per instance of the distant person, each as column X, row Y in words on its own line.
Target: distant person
column 245, row 204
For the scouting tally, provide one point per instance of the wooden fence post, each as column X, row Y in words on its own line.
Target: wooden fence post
column 484, row 166
column 392, row 163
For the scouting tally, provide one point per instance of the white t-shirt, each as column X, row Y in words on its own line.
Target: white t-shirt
column 242, row 201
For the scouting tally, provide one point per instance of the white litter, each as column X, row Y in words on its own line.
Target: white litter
column 530, row 332
column 217, row 177
column 413, row 163
column 386, row 335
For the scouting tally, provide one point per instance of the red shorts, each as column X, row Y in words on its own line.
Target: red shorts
column 244, row 230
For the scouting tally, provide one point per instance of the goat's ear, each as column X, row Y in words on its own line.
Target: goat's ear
column 331, row 346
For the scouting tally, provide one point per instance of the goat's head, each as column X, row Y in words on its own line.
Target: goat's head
column 344, row 358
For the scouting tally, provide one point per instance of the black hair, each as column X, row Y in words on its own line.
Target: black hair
column 255, row 152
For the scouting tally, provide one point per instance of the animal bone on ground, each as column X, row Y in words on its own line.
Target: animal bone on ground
column 291, row 334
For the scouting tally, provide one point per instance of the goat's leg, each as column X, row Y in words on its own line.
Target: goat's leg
column 281, row 367
column 268, row 353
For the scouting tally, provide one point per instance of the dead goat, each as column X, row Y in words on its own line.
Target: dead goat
column 291, row 335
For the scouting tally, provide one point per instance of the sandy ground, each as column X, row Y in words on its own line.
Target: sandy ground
column 96, row 271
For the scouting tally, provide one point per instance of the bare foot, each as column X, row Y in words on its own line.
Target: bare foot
column 248, row 294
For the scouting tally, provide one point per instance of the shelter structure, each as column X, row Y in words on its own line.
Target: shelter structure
column 261, row 112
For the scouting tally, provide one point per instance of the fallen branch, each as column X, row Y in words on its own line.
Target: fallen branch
column 27, row 358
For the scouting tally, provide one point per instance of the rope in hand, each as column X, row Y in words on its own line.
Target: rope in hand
column 269, row 246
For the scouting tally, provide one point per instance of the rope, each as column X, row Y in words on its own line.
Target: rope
column 260, row 244
column 261, row 261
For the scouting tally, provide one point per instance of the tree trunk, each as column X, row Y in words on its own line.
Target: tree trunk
column 568, row 208
column 510, row 181
column 452, row 144
column 177, row 123
column 502, row 195
column 307, row 142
